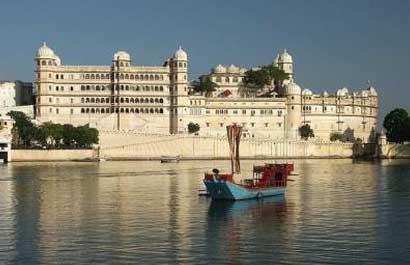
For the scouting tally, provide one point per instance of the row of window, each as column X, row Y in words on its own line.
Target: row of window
column 244, row 124
column 122, row 110
column 227, row 79
column 122, row 100
column 244, row 112
column 122, row 88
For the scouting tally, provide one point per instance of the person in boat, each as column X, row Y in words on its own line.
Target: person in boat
column 216, row 174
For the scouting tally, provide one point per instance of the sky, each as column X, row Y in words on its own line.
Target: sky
column 333, row 43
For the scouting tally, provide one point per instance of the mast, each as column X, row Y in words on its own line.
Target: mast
column 234, row 138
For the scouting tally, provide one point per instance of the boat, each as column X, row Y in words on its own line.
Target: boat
column 169, row 159
column 267, row 180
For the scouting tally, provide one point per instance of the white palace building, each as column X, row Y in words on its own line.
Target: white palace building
column 159, row 99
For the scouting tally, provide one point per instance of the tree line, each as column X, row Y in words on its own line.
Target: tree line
column 50, row 135
column 397, row 126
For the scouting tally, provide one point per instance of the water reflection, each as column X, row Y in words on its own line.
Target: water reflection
column 149, row 213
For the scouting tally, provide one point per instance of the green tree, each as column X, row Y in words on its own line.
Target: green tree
column 306, row 132
column 397, row 125
column 68, row 136
column 268, row 75
column 336, row 137
column 23, row 130
column 205, row 86
column 193, row 127
column 85, row 137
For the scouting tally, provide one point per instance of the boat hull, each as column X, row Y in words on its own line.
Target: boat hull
column 225, row 190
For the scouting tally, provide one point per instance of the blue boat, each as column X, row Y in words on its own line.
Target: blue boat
column 267, row 180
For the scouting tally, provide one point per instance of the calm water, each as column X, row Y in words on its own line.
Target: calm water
column 336, row 212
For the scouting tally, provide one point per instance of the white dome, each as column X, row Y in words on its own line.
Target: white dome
column 285, row 57
column 45, row 52
column 343, row 92
column 276, row 60
column 292, row 89
column 372, row 91
column 232, row 69
column 180, row 54
column 307, row 92
column 364, row 93
column 58, row 61
column 122, row 55
column 219, row 69
column 325, row 94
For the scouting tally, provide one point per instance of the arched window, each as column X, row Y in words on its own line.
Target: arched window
column 97, row 110
column 122, row 87
column 151, row 110
column 161, row 111
column 122, row 110
column 137, row 100
column 156, row 77
column 43, row 63
column 146, row 110
column 107, row 110
column 122, row 76
column 184, row 64
column 92, row 76
column 92, row 110
column 122, row 100
column 107, row 76
column 156, row 110
column 102, row 100
column 227, row 79
column 127, row 110
column 180, row 64
column 116, row 100
column 146, row 77
column 87, row 110
column 151, row 100
column 127, row 100
column 151, row 77
column 97, row 76
column 131, row 100
column 161, row 88
column 97, row 100
column 102, row 87
column 127, row 76
column 137, row 88
column 102, row 110
column 142, row 110
column 132, row 77
column 97, row 88
column 82, row 87
column 92, row 100
column 82, row 110
column 146, row 100
column 137, row 111
column 137, row 77
column 82, row 100
column 88, row 87
column 156, row 100
column 161, row 100
column 156, row 88
column 127, row 88
column 117, row 87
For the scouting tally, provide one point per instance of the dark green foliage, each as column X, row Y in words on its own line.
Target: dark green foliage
column 51, row 135
column 205, row 86
column 336, row 137
column 255, row 79
column 193, row 127
column 306, row 132
column 397, row 125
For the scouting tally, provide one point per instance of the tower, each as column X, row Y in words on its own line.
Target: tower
column 120, row 64
column 284, row 62
column 178, row 91
column 293, row 93
column 46, row 62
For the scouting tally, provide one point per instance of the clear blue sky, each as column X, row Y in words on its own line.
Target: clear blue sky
column 333, row 43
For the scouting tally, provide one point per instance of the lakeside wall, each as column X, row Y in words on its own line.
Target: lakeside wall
column 130, row 145
column 394, row 150
column 24, row 155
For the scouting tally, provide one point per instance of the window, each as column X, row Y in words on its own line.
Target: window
column 207, row 124
column 71, row 111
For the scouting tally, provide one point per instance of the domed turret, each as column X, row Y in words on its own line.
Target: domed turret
column 342, row 92
column 307, row 92
column 285, row 57
column 371, row 89
column 325, row 94
column 45, row 52
column 276, row 60
column 232, row 69
column 121, row 55
column 180, row 54
column 57, row 60
column 219, row 69
column 292, row 89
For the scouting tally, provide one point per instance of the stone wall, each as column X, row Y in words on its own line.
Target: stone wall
column 53, row 155
column 129, row 145
column 394, row 150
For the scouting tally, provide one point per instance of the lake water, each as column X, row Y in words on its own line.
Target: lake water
column 335, row 212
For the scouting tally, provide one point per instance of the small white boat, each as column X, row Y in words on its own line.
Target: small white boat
column 169, row 159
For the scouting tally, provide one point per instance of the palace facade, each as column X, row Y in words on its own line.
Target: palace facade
column 158, row 99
